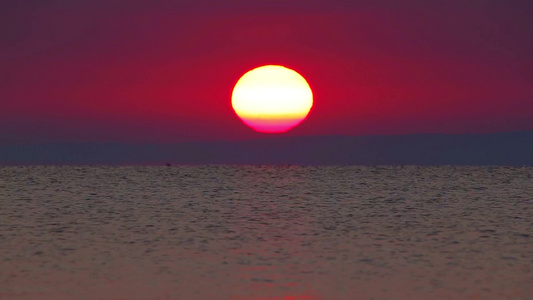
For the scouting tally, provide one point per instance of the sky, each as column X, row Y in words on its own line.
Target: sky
column 163, row 71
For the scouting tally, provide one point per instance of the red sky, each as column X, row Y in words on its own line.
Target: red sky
column 163, row 71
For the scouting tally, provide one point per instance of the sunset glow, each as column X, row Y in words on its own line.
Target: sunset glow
column 272, row 99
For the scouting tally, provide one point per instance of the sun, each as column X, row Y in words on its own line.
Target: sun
column 272, row 99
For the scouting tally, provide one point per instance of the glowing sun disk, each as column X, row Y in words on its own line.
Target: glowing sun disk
column 272, row 98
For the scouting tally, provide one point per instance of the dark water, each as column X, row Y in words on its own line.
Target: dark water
column 223, row 232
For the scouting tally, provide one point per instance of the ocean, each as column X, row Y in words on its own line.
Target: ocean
column 266, row 232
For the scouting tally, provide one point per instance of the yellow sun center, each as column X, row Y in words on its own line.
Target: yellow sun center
column 272, row 98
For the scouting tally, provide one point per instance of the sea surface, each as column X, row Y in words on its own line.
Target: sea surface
column 266, row 232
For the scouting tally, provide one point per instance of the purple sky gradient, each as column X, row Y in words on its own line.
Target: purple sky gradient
column 163, row 71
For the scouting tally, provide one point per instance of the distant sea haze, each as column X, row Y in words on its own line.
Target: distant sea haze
column 513, row 149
